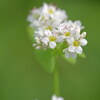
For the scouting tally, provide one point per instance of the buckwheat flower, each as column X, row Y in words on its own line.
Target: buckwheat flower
column 61, row 16
column 54, row 13
column 50, row 38
column 50, row 25
column 48, row 9
column 78, row 24
column 66, row 30
column 33, row 18
column 75, row 25
column 76, row 42
column 69, row 54
column 69, row 25
column 54, row 97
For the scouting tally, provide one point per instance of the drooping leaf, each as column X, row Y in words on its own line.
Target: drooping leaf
column 44, row 57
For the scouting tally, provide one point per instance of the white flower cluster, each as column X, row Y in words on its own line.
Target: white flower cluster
column 51, row 28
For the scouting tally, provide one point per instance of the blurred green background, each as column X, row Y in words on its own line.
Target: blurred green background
column 22, row 77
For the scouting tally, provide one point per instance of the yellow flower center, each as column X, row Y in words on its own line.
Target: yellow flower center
column 50, row 11
column 49, row 28
column 67, row 34
column 52, row 38
column 76, row 43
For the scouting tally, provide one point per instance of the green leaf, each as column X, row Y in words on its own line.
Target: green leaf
column 46, row 59
column 70, row 60
column 82, row 55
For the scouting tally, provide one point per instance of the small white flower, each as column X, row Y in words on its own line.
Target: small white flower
column 33, row 18
column 60, row 15
column 38, row 47
column 52, row 45
column 54, row 97
column 78, row 24
column 60, row 38
column 51, row 38
column 69, row 54
column 45, row 40
column 75, row 25
column 65, row 31
column 76, row 42
column 48, row 9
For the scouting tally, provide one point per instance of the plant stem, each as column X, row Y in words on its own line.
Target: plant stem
column 56, row 82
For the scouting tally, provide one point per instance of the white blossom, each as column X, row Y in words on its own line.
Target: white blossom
column 33, row 18
column 69, row 54
column 66, row 31
column 76, row 42
column 54, row 97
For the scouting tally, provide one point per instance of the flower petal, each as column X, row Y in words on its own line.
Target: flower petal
column 73, row 31
column 64, row 50
column 67, row 54
column 52, row 45
column 77, row 23
column 83, row 42
column 77, row 30
column 60, row 38
column 38, row 47
column 45, row 40
column 76, row 36
column 83, row 34
column 54, row 97
column 47, row 33
column 71, row 48
column 73, row 55
column 78, row 49
column 60, row 98
column 70, row 40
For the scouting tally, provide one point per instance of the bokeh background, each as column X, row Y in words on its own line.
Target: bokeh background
column 22, row 77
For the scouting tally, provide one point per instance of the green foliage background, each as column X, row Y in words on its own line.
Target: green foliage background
column 22, row 77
